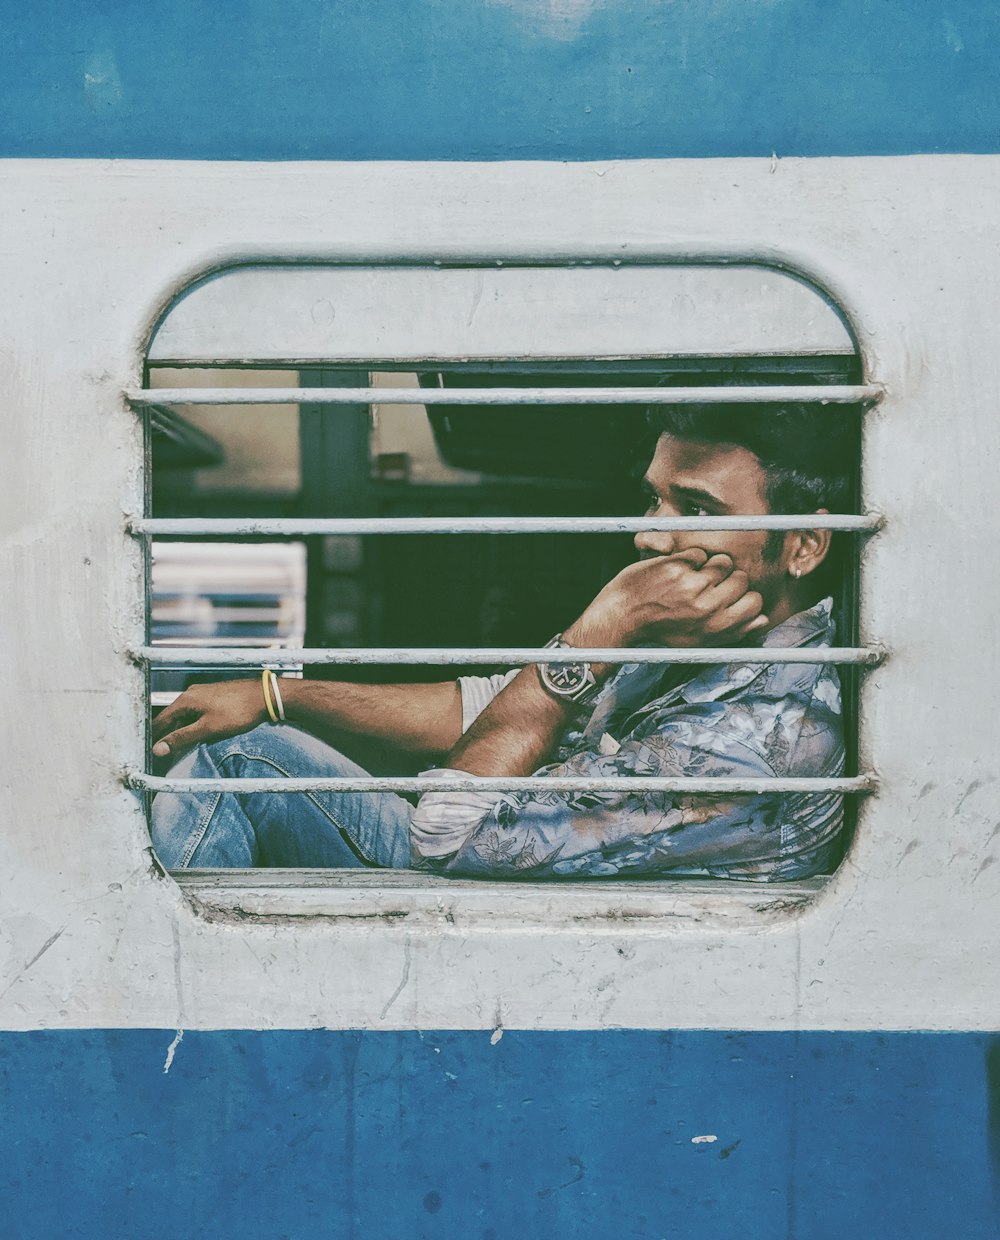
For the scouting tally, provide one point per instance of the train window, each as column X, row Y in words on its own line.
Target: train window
column 379, row 479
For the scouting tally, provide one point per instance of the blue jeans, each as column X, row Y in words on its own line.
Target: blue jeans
column 212, row 829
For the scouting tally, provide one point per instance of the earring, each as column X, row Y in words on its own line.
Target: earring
column 795, row 571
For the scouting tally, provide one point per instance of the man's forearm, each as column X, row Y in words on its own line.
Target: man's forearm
column 664, row 601
column 424, row 719
column 516, row 733
column 521, row 727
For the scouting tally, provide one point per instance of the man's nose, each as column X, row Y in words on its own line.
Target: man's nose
column 654, row 542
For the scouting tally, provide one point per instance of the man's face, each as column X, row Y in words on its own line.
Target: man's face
column 695, row 478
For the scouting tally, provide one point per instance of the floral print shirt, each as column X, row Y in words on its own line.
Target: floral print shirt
column 735, row 720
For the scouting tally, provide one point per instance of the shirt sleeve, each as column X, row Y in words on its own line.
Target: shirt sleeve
column 443, row 820
column 477, row 693
column 585, row 834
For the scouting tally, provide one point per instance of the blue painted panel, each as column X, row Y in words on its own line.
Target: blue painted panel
column 397, row 1136
column 496, row 79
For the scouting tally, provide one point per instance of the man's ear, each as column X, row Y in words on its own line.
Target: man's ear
column 807, row 549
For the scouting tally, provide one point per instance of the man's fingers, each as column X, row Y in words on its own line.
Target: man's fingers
column 668, row 567
column 716, row 569
column 695, row 556
column 175, row 743
column 728, row 591
column 759, row 625
column 742, row 613
column 177, row 712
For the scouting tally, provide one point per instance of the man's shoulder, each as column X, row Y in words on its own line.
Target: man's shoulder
column 774, row 713
column 815, row 626
column 738, row 679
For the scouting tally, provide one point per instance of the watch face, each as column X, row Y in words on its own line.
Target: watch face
column 566, row 677
column 572, row 681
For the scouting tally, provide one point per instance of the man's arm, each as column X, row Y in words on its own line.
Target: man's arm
column 592, row 835
column 543, row 834
column 424, row 719
column 679, row 600
column 772, row 836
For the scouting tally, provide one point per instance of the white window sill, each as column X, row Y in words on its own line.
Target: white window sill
column 422, row 900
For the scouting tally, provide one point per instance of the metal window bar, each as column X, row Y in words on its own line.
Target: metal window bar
column 180, row 656
column 867, row 523
column 141, row 781
column 866, row 394
column 843, row 393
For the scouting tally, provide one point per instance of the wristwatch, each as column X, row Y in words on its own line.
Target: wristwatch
column 572, row 682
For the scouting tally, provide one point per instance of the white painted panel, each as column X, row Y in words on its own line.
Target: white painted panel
column 314, row 314
column 906, row 934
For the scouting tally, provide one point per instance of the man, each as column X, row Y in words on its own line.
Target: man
column 721, row 588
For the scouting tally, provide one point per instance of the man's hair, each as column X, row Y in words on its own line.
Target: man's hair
column 808, row 452
column 805, row 450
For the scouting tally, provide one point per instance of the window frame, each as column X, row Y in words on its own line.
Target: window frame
column 392, row 895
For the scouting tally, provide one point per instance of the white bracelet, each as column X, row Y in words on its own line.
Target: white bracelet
column 279, row 705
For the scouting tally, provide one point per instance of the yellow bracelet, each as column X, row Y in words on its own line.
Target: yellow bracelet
column 279, row 705
column 265, row 684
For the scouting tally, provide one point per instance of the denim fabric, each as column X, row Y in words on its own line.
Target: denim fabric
column 222, row 829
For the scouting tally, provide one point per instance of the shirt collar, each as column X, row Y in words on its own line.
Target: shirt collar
column 813, row 627
column 636, row 688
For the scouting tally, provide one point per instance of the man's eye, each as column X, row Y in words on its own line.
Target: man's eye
column 694, row 509
column 652, row 502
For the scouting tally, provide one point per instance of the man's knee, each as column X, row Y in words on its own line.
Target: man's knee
column 285, row 749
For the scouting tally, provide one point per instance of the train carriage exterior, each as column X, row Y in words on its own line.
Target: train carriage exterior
column 393, row 1056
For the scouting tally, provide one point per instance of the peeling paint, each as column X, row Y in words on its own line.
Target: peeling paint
column 952, row 36
column 172, row 1050
column 102, row 83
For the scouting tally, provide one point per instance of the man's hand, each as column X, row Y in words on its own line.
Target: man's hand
column 207, row 713
column 686, row 599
